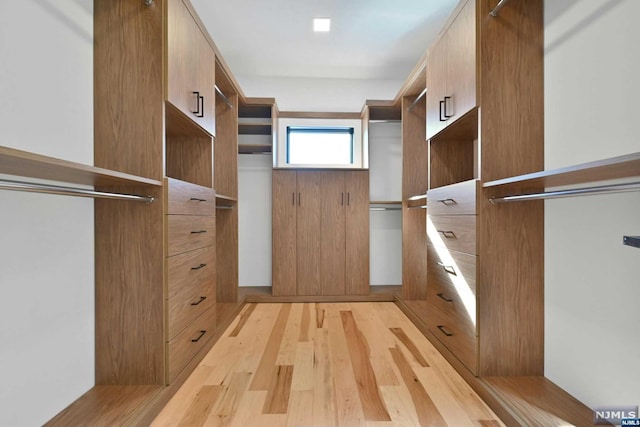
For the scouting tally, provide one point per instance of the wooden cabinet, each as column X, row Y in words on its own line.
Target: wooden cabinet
column 191, row 66
column 320, row 232
column 451, row 72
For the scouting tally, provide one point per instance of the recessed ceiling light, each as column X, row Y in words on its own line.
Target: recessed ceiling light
column 321, row 25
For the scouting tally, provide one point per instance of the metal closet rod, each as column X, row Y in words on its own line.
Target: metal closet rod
column 615, row 188
column 224, row 97
column 499, row 6
column 6, row 184
column 224, row 207
column 413, row 104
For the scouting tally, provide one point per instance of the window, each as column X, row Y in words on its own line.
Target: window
column 319, row 145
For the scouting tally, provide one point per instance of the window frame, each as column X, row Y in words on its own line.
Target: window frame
column 348, row 130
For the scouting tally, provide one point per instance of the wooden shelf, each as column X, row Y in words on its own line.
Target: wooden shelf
column 600, row 170
column 26, row 164
column 385, row 202
column 222, row 200
column 418, row 201
column 254, row 128
column 254, row 149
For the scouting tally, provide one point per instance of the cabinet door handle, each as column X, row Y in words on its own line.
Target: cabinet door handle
column 199, row 267
column 441, row 295
column 199, row 301
column 200, row 336
column 441, row 108
column 448, row 202
column 449, row 269
column 201, row 106
column 293, row 198
column 348, row 199
column 199, row 232
column 197, row 94
column 341, row 199
column 448, row 234
column 444, row 331
column 298, row 199
column 195, row 199
column 446, row 116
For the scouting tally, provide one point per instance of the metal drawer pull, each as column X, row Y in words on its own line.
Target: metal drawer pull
column 441, row 295
column 199, row 267
column 195, row 199
column 199, row 232
column 444, row 331
column 202, row 334
column 201, row 299
column 448, row 202
column 448, row 234
column 448, row 268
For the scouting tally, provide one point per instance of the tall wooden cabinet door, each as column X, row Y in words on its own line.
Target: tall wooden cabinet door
column 436, row 85
column 285, row 197
column 461, row 63
column 332, row 236
column 357, row 233
column 190, row 62
column 308, row 222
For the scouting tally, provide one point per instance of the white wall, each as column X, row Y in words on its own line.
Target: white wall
column 385, row 183
column 592, row 281
column 46, row 241
column 254, row 219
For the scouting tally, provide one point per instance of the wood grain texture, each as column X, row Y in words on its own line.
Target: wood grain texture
column 187, row 232
column 189, row 199
column 284, row 232
column 199, row 409
column 308, row 233
column 227, row 254
column 372, row 404
column 414, row 253
column 129, row 298
column 319, row 115
column 304, row 323
column 190, row 158
column 451, row 162
column 190, row 66
column 277, row 400
column 415, row 150
column 357, row 233
column 455, row 199
column 264, row 373
column 189, row 270
column 188, row 305
column 244, row 316
column 453, row 232
column 332, row 233
column 128, row 38
column 410, row 345
column 427, row 412
column 226, row 146
column 436, row 76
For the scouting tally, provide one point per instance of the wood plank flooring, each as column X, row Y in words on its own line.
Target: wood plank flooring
column 324, row 364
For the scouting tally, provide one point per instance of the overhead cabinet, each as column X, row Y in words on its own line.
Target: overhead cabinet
column 320, row 232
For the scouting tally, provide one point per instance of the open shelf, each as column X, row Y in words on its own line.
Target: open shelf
column 254, row 149
column 26, row 164
column 222, row 200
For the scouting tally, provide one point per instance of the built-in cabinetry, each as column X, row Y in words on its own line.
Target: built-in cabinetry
column 320, row 232
column 485, row 121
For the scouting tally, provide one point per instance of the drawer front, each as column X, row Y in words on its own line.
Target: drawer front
column 190, row 269
column 184, row 198
column 186, row 233
column 451, row 268
column 455, row 199
column 183, row 347
column 456, row 232
column 461, row 309
column 464, row 346
column 187, row 306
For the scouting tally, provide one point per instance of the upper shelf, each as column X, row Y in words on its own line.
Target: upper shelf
column 600, row 170
column 26, row 164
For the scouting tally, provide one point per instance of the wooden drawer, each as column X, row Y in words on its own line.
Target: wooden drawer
column 186, row 233
column 182, row 348
column 460, row 309
column 189, row 305
column 190, row 269
column 455, row 232
column 452, row 268
column 463, row 345
column 184, row 198
column 455, row 199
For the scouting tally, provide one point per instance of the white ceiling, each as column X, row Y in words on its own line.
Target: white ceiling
column 369, row 39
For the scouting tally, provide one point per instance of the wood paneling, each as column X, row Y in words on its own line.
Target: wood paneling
column 414, row 254
column 357, row 233
column 450, row 162
column 284, row 196
column 189, row 269
column 190, row 159
column 186, row 233
column 227, row 254
column 456, row 199
column 308, row 233
column 188, row 305
column 189, row 199
column 454, row 232
column 437, row 85
column 333, row 202
column 226, row 146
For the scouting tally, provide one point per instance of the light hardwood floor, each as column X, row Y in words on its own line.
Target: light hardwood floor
column 324, row 364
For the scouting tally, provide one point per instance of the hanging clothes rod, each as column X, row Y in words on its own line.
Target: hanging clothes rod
column 413, row 104
column 499, row 6
column 224, row 97
column 69, row 191
column 617, row 188
column 224, row 207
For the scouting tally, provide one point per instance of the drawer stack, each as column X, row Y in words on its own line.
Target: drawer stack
column 191, row 272
column 452, row 263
